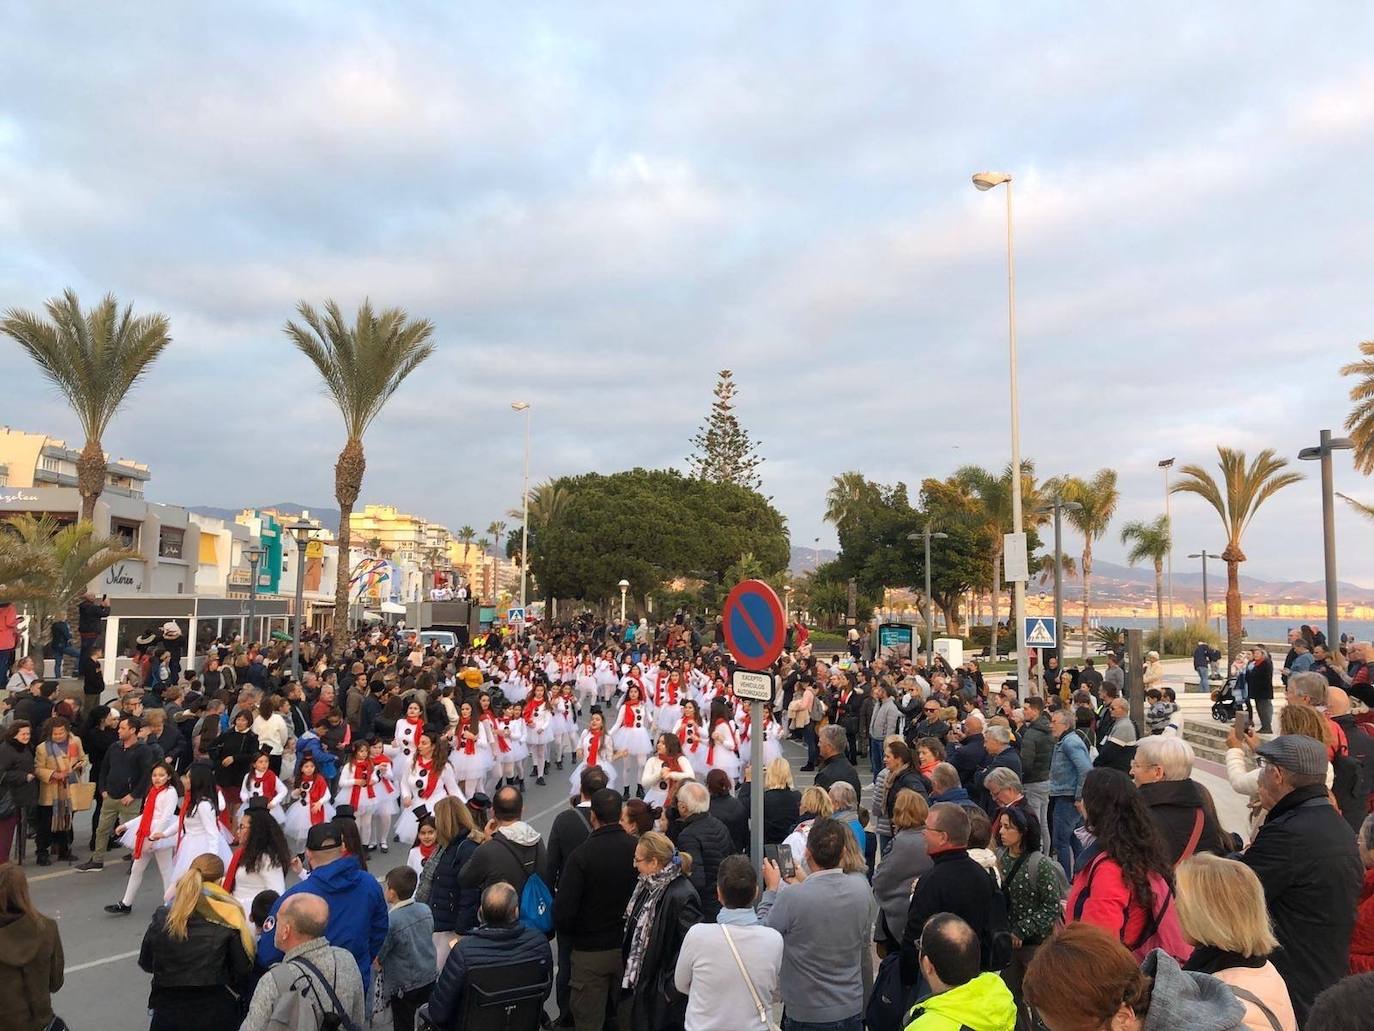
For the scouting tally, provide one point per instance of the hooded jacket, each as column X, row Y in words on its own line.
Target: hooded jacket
column 1183, row 1000
column 519, row 853
column 1174, row 806
column 983, row 1004
column 31, row 965
column 358, row 918
column 1037, row 747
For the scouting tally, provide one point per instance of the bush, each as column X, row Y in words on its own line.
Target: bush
column 1182, row 639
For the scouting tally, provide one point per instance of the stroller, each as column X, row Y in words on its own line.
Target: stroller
column 1224, row 701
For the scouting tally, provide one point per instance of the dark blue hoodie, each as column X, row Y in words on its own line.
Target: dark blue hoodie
column 357, row 914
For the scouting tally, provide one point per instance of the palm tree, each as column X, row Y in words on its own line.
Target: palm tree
column 1097, row 499
column 63, row 559
column 847, row 493
column 1042, row 567
column 94, row 358
column 1242, row 490
column 496, row 530
column 1360, row 421
column 483, row 545
column 1150, row 541
column 361, row 365
column 1359, row 506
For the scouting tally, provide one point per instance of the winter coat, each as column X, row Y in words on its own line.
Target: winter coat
column 241, row 749
column 16, row 763
column 519, row 853
column 907, row 780
column 454, row 908
column 1037, row 748
column 983, row 1004
column 657, row 1005
column 1174, row 806
column 1181, row 1000
column 1306, row 858
column 1362, row 939
column 487, row 947
column 69, row 754
column 1255, row 975
column 595, row 887
column 31, row 965
column 967, row 757
column 211, row 956
column 905, row 861
column 729, row 811
column 708, row 842
column 954, row 884
column 1069, row 766
column 1101, row 895
column 835, row 769
column 1259, row 681
column 781, row 811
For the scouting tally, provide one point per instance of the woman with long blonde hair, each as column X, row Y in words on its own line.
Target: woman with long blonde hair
column 199, row 949
column 455, row 909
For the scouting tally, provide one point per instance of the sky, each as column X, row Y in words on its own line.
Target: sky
column 601, row 205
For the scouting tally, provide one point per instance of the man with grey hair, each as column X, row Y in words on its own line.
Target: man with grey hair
column 1005, row 789
column 835, row 765
column 706, row 839
column 1000, row 755
column 313, row 980
column 945, row 787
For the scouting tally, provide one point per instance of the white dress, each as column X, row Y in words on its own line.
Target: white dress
column 472, row 765
column 667, row 706
column 690, row 735
column 441, row 785
column 723, row 751
column 538, row 725
column 654, row 775
column 631, row 732
column 253, row 785
column 164, row 823
column 362, row 799
column 514, row 732
column 404, row 739
column 200, row 833
column 516, row 688
column 247, row 883
column 603, row 760
column 299, row 817
column 563, row 721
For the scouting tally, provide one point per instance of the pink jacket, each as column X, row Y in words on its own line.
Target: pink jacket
column 9, row 628
column 1266, row 984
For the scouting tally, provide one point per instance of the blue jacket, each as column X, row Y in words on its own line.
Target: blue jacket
column 1069, row 766
column 454, row 908
column 407, row 956
column 357, row 914
column 324, row 760
column 956, row 795
column 485, row 947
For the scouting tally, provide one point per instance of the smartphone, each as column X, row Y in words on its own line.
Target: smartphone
column 782, row 855
column 1242, row 724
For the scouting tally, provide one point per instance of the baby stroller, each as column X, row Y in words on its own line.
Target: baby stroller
column 1224, row 703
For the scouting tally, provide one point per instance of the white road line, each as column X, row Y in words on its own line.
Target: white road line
column 101, row 962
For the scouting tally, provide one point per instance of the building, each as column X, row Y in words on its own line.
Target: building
column 394, row 533
column 37, row 460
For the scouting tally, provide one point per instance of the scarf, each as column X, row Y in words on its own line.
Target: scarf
column 501, row 738
column 363, row 771
column 745, row 721
column 470, row 747
column 315, row 788
column 266, row 785
column 220, row 907
column 629, row 714
column 415, row 727
column 711, row 748
column 594, row 747
column 642, row 908
column 531, row 707
column 232, row 872
column 687, row 735
column 426, row 851
column 426, row 766
column 145, row 821
column 671, row 691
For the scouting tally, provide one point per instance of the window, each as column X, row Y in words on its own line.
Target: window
column 125, row 533
column 169, row 542
column 51, row 465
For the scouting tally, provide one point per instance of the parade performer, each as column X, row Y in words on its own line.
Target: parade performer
column 152, row 836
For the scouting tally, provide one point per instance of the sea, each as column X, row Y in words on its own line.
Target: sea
column 1266, row 630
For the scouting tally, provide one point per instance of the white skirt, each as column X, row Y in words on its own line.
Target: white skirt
column 298, row 821
column 471, row 767
column 196, row 844
column 726, row 761
column 535, row 736
column 607, row 768
column 130, row 838
column 517, row 753
column 634, row 740
column 668, row 717
column 344, row 796
column 562, row 726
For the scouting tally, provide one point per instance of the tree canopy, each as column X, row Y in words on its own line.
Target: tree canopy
column 722, row 450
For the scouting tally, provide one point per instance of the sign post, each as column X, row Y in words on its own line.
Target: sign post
column 755, row 628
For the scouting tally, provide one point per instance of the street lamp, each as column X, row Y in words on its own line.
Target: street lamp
column 624, row 586
column 1058, row 507
column 524, row 406
column 787, row 603
column 927, row 536
column 1166, row 464
column 986, row 181
column 254, row 555
column 300, row 530
column 1204, row 554
column 1322, row 453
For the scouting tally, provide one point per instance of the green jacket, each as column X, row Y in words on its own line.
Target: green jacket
column 983, row 1004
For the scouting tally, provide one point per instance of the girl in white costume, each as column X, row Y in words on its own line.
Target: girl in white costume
column 152, row 835
column 538, row 717
column 771, row 734
column 358, row 788
column 606, row 678
column 408, row 729
column 668, row 700
column 585, row 684
column 471, row 752
column 595, row 748
column 311, row 803
column 426, row 841
column 260, row 780
column 198, row 822
column 510, row 731
column 690, row 735
column 486, row 715
column 563, row 727
column 516, row 687
column 631, row 735
column 665, row 771
column 427, row 780
column 388, row 796
column 722, row 751
column 260, row 861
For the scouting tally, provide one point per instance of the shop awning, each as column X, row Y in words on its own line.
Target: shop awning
column 391, row 608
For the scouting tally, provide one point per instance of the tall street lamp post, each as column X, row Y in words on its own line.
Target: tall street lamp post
column 1059, row 507
column 927, row 536
column 987, row 181
column 1322, row 453
column 300, row 530
column 1204, row 554
column 524, row 406
column 254, row 556
column 1167, row 464
column 624, row 586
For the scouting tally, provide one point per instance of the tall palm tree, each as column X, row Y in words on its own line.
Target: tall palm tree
column 1150, row 541
column 496, row 530
column 94, row 358
column 1243, row 488
column 1360, row 421
column 361, row 365
column 466, row 535
column 1359, row 506
column 1097, row 499
column 847, row 492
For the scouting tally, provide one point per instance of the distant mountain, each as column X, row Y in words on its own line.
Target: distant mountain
column 1113, row 582
column 328, row 517
column 804, row 560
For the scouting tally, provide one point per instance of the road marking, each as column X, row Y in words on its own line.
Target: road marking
column 101, row 962
column 50, row 876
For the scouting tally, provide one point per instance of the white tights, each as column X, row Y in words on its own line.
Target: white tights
column 163, row 857
column 538, row 761
column 630, row 768
column 381, row 826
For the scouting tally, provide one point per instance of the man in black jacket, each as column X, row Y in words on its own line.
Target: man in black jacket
column 90, row 613
column 123, row 783
column 831, row 742
column 954, row 884
column 589, row 911
column 513, row 849
column 570, row 829
column 706, row 840
column 1306, row 858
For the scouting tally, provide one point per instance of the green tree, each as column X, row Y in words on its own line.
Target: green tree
column 722, row 450
column 1097, row 499
column 94, row 358
column 1360, row 421
column 1150, row 541
column 361, row 365
column 496, row 530
column 850, row 494
column 1244, row 487
column 61, row 560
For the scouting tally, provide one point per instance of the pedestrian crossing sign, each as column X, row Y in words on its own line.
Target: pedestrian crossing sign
column 1040, row 632
column 515, row 615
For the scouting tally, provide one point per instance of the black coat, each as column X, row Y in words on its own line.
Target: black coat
column 657, row 1004
column 1115, row 756
column 16, row 763
column 1259, row 682
column 570, row 828
column 594, row 889
column 731, row 812
column 838, row 768
column 1174, row 805
column 454, row 908
column 708, row 842
column 954, row 884
column 212, row 956
column 908, row 780
column 1307, row 861
column 241, row 749
column 781, row 811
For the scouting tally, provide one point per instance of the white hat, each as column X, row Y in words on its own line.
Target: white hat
column 170, row 629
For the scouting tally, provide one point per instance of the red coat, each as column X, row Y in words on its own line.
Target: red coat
column 1362, row 938
column 1108, row 902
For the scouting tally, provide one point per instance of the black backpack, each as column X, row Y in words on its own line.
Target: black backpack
column 1353, row 776
column 998, row 951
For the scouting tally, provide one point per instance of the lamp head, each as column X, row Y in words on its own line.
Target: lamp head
column 519, row 406
column 938, row 536
column 1166, row 463
column 987, row 180
column 624, row 585
column 1310, row 454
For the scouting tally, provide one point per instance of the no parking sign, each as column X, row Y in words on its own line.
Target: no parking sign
column 755, row 627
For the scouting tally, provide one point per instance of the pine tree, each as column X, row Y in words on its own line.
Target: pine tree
column 722, row 449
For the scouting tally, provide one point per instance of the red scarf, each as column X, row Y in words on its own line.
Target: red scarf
column 629, row 713
column 418, row 726
column 425, row 852
column 744, row 726
column 671, row 691
column 500, row 741
column 531, row 707
column 145, row 822
column 594, row 748
column 227, row 883
column 382, row 764
column 431, row 777
column 688, row 737
column 711, row 748
column 365, row 773
column 469, row 746
column 266, row 784
column 315, row 788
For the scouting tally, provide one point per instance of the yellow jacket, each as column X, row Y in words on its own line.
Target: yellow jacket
column 46, row 764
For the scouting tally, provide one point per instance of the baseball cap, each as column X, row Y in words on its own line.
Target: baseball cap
column 1296, row 753
column 323, row 837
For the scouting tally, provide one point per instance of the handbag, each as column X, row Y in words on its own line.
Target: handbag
column 765, row 1016
column 82, row 795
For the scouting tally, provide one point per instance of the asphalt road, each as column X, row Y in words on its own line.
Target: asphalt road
column 104, row 987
